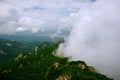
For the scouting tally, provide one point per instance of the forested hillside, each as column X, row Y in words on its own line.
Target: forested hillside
column 10, row 48
column 43, row 64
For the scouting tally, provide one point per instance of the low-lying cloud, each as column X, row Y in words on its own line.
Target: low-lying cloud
column 95, row 37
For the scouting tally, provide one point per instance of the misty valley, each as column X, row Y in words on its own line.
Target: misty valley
column 34, row 59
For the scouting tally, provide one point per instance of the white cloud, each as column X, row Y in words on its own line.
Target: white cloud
column 20, row 29
column 95, row 37
column 36, row 13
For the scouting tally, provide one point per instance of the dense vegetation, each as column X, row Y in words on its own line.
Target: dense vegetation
column 42, row 64
column 10, row 49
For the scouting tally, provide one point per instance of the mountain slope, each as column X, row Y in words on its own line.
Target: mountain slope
column 44, row 65
column 9, row 48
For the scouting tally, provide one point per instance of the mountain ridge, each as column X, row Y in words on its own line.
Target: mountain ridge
column 43, row 65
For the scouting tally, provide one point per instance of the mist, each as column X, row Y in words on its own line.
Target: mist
column 95, row 37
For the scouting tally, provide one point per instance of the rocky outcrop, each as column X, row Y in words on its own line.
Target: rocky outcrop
column 92, row 69
column 28, row 62
column 82, row 66
column 20, row 66
column 44, row 45
column 9, row 44
column 47, row 72
column 64, row 77
column 7, row 71
column 56, row 64
column 20, row 56
column 2, row 52
column 54, row 52
column 36, row 50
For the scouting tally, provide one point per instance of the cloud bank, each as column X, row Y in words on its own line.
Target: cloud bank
column 95, row 37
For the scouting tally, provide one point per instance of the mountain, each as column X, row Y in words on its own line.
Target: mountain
column 31, row 38
column 11, row 48
column 44, row 64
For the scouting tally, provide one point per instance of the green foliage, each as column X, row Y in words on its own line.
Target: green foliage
column 45, row 66
column 15, row 48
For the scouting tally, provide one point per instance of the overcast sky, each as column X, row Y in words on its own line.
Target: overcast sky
column 37, row 15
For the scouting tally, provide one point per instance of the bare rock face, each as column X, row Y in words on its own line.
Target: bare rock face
column 44, row 45
column 47, row 72
column 20, row 66
column 54, row 52
column 56, row 64
column 2, row 52
column 9, row 44
column 20, row 56
column 7, row 71
column 36, row 50
column 92, row 69
column 64, row 77
column 82, row 66
column 28, row 62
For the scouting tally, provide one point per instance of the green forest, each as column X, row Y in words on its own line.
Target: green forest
column 43, row 64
